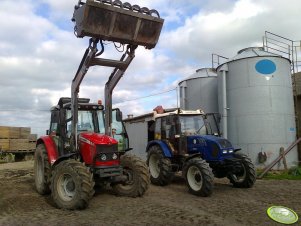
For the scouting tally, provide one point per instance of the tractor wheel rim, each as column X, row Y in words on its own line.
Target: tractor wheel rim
column 241, row 176
column 66, row 187
column 129, row 175
column 39, row 171
column 154, row 166
column 195, row 178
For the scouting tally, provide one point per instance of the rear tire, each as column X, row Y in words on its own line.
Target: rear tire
column 72, row 185
column 42, row 170
column 159, row 167
column 199, row 177
column 138, row 177
column 247, row 176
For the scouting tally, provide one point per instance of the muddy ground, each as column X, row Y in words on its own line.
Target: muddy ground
column 20, row 204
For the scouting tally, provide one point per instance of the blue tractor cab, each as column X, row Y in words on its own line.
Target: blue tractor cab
column 190, row 141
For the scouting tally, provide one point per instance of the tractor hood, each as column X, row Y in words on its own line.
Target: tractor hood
column 221, row 142
column 97, row 138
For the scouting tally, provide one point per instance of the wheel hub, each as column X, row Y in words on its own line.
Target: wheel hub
column 197, row 177
column 66, row 187
column 40, row 170
column 194, row 178
column 239, row 175
column 129, row 174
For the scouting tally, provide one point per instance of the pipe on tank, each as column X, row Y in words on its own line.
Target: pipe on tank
column 224, row 70
column 183, row 95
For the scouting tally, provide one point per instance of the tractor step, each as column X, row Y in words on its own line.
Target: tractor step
column 109, row 172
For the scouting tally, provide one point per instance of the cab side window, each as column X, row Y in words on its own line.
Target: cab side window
column 163, row 128
column 54, row 122
column 158, row 129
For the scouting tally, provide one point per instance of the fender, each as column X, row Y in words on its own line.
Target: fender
column 62, row 158
column 193, row 156
column 51, row 148
column 165, row 148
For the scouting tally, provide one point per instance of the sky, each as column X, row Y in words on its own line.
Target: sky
column 39, row 53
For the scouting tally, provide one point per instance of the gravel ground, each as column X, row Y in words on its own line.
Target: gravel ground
column 20, row 204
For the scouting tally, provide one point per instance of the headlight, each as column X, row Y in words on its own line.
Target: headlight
column 230, row 150
column 225, row 151
column 114, row 156
column 103, row 157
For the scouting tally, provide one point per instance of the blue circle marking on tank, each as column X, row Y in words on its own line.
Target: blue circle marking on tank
column 265, row 67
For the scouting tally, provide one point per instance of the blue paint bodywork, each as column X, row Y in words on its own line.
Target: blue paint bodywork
column 205, row 145
column 164, row 147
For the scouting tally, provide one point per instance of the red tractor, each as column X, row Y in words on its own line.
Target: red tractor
column 87, row 143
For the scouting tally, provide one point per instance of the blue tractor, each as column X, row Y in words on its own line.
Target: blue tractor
column 189, row 141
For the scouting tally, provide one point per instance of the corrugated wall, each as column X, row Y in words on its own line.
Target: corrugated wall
column 137, row 133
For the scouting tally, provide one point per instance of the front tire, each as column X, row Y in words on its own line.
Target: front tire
column 199, row 177
column 137, row 177
column 159, row 166
column 42, row 170
column 72, row 185
column 246, row 176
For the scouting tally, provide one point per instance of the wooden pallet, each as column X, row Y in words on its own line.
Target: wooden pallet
column 7, row 132
column 24, row 132
column 32, row 137
column 4, row 144
column 18, row 144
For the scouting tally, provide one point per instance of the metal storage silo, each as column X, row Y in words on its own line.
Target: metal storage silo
column 255, row 99
column 199, row 91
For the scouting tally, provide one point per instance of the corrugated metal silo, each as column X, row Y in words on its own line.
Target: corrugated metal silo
column 199, row 91
column 256, row 103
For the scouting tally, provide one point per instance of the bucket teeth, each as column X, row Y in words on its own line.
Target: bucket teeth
column 107, row 1
column 153, row 11
column 113, row 20
column 137, row 8
column 145, row 10
column 118, row 3
column 128, row 6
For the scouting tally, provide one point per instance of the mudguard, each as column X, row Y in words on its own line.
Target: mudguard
column 164, row 147
column 50, row 147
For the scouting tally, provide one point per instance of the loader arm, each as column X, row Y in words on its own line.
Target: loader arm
column 90, row 59
column 107, row 20
column 112, row 82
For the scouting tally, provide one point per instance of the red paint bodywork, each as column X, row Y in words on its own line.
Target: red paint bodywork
column 50, row 148
column 87, row 143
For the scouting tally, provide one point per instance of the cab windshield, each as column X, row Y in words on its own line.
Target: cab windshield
column 192, row 125
column 87, row 121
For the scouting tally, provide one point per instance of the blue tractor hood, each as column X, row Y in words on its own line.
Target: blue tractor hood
column 212, row 147
column 222, row 142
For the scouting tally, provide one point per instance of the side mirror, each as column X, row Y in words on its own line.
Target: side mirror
column 218, row 117
column 47, row 132
column 118, row 115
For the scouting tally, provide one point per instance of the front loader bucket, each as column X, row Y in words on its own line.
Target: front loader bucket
column 118, row 22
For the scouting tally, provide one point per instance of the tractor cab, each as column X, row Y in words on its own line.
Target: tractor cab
column 90, row 132
column 191, row 132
